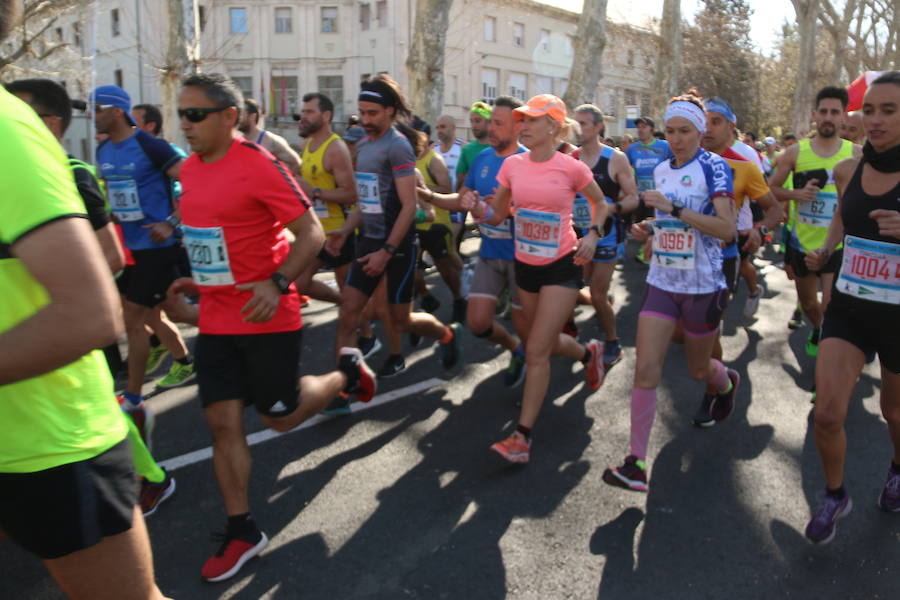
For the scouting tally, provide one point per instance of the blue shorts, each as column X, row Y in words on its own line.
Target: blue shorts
column 608, row 254
column 458, row 216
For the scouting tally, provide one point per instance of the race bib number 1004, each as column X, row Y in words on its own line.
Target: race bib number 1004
column 870, row 270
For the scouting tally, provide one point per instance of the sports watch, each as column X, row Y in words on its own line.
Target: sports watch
column 283, row 283
column 677, row 207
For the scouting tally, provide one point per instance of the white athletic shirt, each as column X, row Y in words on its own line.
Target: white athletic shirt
column 451, row 158
column 686, row 261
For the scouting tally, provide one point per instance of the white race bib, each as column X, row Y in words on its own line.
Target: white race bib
column 674, row 244
column 208, row 255
column 819, row 212
column 537, row 233
column 124, row 200
column 367, row 191
column 500, row 232
column 320, row 208
column 581, row 212
column 870, row 270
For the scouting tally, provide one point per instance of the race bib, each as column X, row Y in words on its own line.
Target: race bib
column 124, row 200
column 320, row 208
column 500, row 232
column 537, row 233
column 646, row 184
column 367, row 191
column 870, row 270
column 819, row 212
column 674, row 244
column 581, row 212
column 208, row 255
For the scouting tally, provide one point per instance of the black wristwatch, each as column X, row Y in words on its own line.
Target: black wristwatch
column 677, row 207
column 392, row 250
column 316, row 193
column 596, row 230
column 283, row 283
column 763, row 230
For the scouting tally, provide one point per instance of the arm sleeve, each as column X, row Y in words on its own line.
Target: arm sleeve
column 401, row 158
column 93, row 199
column 159, row 151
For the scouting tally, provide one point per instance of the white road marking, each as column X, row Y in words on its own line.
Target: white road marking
column 267, row 434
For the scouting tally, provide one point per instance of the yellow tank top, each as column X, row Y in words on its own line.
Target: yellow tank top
column 810, row 227
column 441, row 215
column 331, row 214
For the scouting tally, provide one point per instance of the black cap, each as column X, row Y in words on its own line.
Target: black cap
column 646, row 120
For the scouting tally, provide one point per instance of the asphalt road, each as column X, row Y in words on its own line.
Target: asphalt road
column 404, row 500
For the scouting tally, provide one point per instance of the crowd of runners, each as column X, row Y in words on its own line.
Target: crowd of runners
column 230, row 238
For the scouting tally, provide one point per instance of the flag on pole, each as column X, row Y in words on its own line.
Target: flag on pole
column 857, row 89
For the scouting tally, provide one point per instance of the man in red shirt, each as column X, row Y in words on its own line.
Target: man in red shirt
column 236, row 201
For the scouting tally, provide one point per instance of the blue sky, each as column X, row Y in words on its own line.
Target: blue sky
column 766, row 21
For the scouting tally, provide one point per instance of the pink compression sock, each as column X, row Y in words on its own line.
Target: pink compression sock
column 643, row 410
column 719, row 380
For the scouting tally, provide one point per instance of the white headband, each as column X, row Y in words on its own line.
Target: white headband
column 689, row 111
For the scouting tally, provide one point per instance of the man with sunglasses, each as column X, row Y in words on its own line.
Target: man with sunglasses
column 138, row 169
column 237, row 201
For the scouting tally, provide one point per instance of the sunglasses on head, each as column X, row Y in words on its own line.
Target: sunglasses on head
column 195, row 115
column 99, row 107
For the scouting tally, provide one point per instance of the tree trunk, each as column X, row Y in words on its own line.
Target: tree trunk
column 895, row 59
column 807, row 12
column 425, row 63
column 182, row 56
column 587, row 64
column 668, row 65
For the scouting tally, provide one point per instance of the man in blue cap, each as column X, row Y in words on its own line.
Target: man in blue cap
column 138, row 169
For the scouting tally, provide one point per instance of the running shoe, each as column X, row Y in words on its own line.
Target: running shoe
column 612, row 354
column 394, row 365
column 515, row 372
column 157, row 355
column 154, row 494
column 304, row 300
column 632, row 475
column 823, row 525
column 812, row 343
column 570, row 329
column 430, row 304
column 796, row 319
column 233, row 553
column 452, row 350
column 594, row 369
column 889, row 500
column 340, row 406
column 459, row 310
column 515, row 448
column 752, row 304
column 368, row 345
column 143, row 418
column 179, row 374
column 640, row 257
column 360, row 378
column 717, row 407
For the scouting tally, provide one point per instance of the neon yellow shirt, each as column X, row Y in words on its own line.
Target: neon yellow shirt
column 441, row 215
column 70, row 414
column 811, row 220
column 331, row 214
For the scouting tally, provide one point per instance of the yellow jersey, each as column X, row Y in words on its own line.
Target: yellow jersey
column 331, row 214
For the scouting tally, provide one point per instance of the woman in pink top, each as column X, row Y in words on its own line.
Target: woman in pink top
column 539, row 188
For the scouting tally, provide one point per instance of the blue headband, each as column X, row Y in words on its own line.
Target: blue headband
column 720, row 106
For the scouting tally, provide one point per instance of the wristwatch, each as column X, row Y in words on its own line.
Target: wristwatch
column 763, row 230
column 283, row 283
column 596, row 230
column 677, row 207
column 392, row 250
column 316, row 193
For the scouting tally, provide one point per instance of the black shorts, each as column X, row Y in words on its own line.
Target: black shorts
column 58, row 511
column 869, row 329
column 261, row 369
column 345, row 257
column 562, row 271
column 436, row 241
column 796, row 259
column 147, row 280
column 399, row 271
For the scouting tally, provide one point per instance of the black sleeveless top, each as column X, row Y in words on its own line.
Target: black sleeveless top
column 608, row 185
column 856, row 205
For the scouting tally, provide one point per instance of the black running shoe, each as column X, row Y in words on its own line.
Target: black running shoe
column 394, row 365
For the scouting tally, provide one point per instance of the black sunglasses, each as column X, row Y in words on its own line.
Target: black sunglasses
column 195, row 115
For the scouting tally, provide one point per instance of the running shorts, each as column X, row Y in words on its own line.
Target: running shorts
column 491, row 277
column 436, row 241
column 700, row 313
column 796, row 260
column 869, row 330
column 148, row 279
column 58, row 511
column 261, row 369
column 345, row 257
column 563, row 271
column 399, row 271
